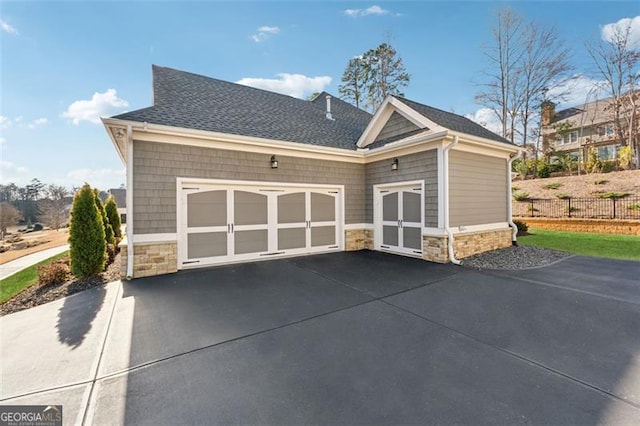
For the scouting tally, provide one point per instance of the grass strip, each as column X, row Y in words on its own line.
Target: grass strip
column 626, row 247
column 19, row 281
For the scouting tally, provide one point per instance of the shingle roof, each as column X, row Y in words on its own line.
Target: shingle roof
column 183, row 99
column 187, row 100
column 454, row 122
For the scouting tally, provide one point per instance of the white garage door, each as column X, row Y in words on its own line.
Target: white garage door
column 399, row 218
column 225, row 223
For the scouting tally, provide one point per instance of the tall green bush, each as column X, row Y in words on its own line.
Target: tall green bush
column 111, row 208
column 108, row 229
column 86, row 235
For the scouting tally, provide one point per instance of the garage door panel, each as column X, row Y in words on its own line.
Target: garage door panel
column 323, row 236
column 207, row 209
column 323, row 207
column 411, row 207
column 206, row 244
column 390, row 235
column 412, row 238
column 255, row 241
column 250, row 208
column 390, row 207
column 292, row 208
column 292, row 238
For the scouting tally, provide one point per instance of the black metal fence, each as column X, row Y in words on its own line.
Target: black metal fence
column 584, row 208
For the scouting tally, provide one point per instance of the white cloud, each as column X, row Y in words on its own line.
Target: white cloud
column 296, row 85
column 38, row 122
column 5, row 122
column 97, row 178
column 486, row 118
column 100, row 104
column 578, row 90
column 264, row 33
column 7, row 28
column 373, row 10
column 633, row 24
column 12, row 173
column 2, row 141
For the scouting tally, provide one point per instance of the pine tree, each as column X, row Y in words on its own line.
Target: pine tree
column 352, row 86
column 86, row 235
column 111, row 209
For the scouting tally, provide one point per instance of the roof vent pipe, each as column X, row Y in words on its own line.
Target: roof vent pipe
column 328, row 115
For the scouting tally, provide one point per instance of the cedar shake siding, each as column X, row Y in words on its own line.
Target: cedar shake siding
column 420, row 166
column 397, row 125
column 157, row 165
column 477, row 189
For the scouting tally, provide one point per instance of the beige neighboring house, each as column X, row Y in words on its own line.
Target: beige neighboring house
column 222, row 173
column 580, row 129
column 120, row 194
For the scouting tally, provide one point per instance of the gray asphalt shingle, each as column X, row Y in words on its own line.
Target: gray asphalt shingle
column 183, row 99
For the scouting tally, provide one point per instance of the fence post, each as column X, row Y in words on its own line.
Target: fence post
column 614, row 206
column 569, row 206
column 532, row 211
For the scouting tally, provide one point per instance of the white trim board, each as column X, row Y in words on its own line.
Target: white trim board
column 155, row 238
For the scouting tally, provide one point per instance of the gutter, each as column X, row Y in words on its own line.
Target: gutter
column 445, row 176
column 130, row 249
column 514, row 228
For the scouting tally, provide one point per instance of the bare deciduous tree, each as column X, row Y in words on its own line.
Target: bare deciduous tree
column 53, row 210
column 526, row 60
column 617, row 60
column 9, row 216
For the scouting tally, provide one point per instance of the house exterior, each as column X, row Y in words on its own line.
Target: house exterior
column 578, row 130
column 120, row 195
column 221, row 173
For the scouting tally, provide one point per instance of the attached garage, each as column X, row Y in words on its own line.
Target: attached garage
column 222, row 173
column 226, row 222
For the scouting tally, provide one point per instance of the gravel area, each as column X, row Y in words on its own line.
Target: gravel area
column 520, row 257
column 34, row 295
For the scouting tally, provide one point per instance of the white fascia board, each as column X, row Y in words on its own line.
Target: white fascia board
column 108, row 127
column 495, row 145
column 416, row 143
column 376, row 123
column 193, row 137
column 414, row 116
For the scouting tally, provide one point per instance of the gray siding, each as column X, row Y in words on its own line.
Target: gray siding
column 396, row 125
column 156, row 167
column 420, row 166
column 477, row 189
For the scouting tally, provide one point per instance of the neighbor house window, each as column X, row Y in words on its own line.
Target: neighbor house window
column 608, row 129
column 559, row 141
column 607, row 152
column 573, row 137
column 574, row 156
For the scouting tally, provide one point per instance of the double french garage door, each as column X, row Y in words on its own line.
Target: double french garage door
column 224, row 223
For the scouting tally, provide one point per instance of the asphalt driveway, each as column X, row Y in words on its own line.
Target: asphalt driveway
column 360, row 337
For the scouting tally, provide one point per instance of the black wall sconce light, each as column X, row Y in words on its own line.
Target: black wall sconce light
column 394, row 164
column 274, row 162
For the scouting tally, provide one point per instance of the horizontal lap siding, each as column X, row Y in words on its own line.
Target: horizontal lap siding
column 157, row 165
column 477, row 188
column 420, row 166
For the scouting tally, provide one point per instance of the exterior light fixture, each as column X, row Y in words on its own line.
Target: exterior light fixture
column 274, row 162
column 394, row 164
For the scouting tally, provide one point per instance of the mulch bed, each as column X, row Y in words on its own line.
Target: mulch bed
column 35, row 295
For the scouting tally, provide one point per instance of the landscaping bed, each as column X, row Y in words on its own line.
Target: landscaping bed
column 36, row 295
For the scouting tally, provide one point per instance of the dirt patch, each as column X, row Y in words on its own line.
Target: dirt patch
column 34, row 295
column 33, row 242
column 583, row 186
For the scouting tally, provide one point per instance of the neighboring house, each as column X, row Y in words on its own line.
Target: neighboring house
column 220, row 173
column 120, row 195
column 580, row 129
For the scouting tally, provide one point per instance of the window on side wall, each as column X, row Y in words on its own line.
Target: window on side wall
column 608, row 130
column 559, row 141
column 607, row 152
column 573, row 136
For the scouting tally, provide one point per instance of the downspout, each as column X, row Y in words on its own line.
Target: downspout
column 514, row 228
column 129, row 202
column 445, row 177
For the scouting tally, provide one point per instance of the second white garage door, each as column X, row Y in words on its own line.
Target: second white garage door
column 224, row 223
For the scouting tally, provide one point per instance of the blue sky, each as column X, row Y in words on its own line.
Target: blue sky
column 64, row 64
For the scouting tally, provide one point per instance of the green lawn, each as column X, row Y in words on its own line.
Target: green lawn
column 600, row 245
column 17, row 282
